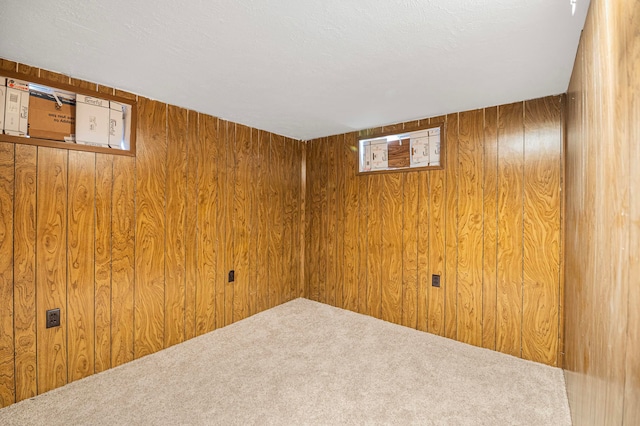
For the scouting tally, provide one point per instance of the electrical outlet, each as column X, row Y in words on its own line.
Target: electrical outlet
column 53, row 318
column 435, row 280
column 232, row 276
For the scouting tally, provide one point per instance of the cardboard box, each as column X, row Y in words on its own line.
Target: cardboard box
column 12, row 111
column 434, row 147
column 3, row 93
column 92, row 121
column 379, row 154
column 116, row 124
column 24, row 113
column 48, row 120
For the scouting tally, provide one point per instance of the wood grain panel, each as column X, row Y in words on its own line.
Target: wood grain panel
column 135, row 251
column 24, row 271
column 399, row 155
column 288, row 229
column 490, row 223
column 631, row 12
column 242, row 217
column 352, row 221
column 374, row 246
column 123, row 262
column 313, row 222
column 410, row 250
column 600, row 242
column 541, row 289
column 450, row 229
column 298, row 220
column 340, row 204
column 510, row 204
column 28, row 71
column 331, row 218
column 81, row 265
column 191, row 230
column 7, row 357
column 302, row 222
column 437, row 193
column 422, row 248
column 150, row 227
column 103, row 210
column 51, row 248
column 450, row 282
column 7, row 65
column 253, row 195
column 207, row 225
column 54, row 77
column 363, row 243
column 276, row 179
column 106, row 90
column 391, row 262
column 220, row 221
column 323, row 222
column 470, row 227
column 262, row 211
column 229, row 221
column 175, row 243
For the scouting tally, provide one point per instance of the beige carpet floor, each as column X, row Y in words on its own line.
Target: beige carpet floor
column 308, row 363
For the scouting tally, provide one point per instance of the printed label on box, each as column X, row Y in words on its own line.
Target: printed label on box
column 92, row 120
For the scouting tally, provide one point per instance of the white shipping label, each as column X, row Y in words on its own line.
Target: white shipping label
column 12, row 110
column 379, row 155
column 420, row 152
column 24, row 113
column 365, row 161
column 434, row 149
column 3, row 92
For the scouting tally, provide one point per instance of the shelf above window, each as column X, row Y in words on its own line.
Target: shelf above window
column 52, row 109
column 421, row 148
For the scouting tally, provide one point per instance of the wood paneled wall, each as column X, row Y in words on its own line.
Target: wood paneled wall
column 603, row 219
column 489, row 224
column 135, row 251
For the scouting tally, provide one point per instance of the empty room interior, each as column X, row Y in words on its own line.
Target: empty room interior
column 367, row 212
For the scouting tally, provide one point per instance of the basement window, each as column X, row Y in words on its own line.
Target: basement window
column 35, row 111
column 420, row 149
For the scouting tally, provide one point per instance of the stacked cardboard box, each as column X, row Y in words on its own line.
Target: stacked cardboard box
column 52, row 115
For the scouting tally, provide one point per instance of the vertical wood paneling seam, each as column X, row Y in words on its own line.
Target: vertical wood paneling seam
column 561, row 334
column 457, row 229
column 164, row 243
column 195, row 254
column 95, row 225
column 497, row 228
column 186, row 220
column 484, row 163
column 495, row 321
column 364, row 249
column 268, row 163
column 134, row 226
column 35, row 269
column 417, row 293
column 403, row 180
column 380, row 245
column 428, row 289
column 111, row 268
column 13, row 275
column 66, row 263
column 522, row 198
column 282, row 209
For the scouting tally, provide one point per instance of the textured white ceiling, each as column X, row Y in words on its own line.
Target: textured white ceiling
column 304, row 68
